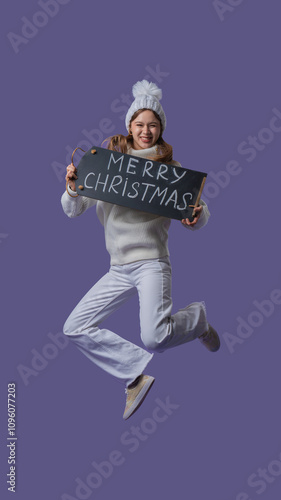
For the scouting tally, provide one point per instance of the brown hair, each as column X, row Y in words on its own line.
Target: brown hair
column 121, row 143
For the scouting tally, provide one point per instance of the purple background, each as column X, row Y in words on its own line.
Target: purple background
column 220, row 80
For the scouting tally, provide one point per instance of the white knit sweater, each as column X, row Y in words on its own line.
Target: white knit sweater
column 130, row 235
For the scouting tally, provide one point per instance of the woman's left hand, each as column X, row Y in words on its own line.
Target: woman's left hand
column 197, row 212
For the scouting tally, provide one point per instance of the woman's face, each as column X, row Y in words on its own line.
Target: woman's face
column 145, row 129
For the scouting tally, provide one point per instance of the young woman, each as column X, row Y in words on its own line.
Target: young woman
column 138, row 246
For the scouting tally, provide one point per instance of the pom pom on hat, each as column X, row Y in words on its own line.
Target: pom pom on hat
column 147, row 96
column 146, row 88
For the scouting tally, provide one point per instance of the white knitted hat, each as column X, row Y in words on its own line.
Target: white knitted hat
column 147, row 96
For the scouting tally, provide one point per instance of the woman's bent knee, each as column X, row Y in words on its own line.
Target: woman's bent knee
column 152, row 344
column 155, row 339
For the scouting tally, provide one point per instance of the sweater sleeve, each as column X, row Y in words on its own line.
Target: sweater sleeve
column 75, row 205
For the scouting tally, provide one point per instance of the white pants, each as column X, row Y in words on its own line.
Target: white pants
column 159, row 330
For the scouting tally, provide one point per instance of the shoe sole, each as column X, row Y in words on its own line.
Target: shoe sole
column 140, row 398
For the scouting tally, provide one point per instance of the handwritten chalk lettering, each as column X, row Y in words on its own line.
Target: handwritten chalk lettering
column 178, row 177
column 146, row 189
column 139, row 183
column 147, row 169
column 152, row 169
column 101, row 183
column 136, row 192
column 114, row 184
column 185, row 202
column 158, row 193
column 131, row 165
column 125, row 187
column 174, row 198
column 86, row 180
column 118, row 180
column 115, row 161
column 160, row 172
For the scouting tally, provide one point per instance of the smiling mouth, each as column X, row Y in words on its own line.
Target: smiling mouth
column 146, row 139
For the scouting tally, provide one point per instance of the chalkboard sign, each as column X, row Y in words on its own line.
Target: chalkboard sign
column 139, row 183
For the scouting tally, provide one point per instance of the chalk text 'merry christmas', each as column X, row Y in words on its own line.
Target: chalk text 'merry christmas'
column 144, row 190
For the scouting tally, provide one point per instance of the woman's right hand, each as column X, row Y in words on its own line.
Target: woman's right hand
column 70, row 176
